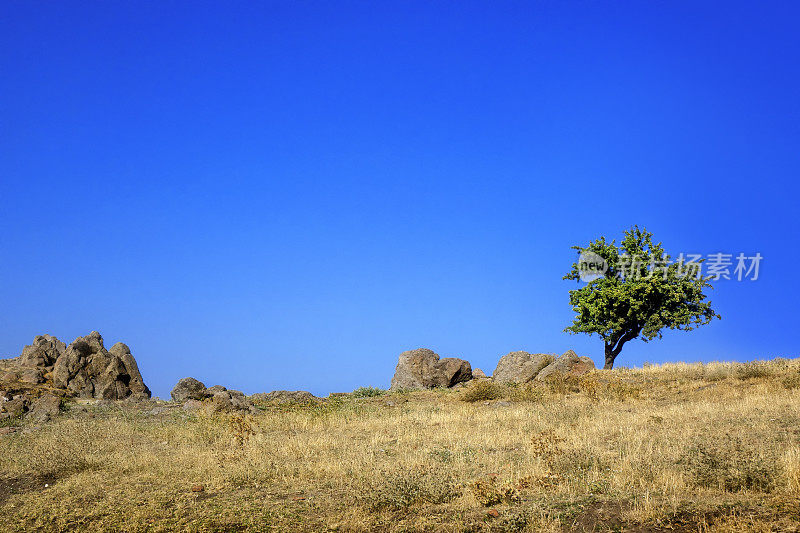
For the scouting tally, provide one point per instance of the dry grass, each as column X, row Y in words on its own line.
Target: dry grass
column 674, row 447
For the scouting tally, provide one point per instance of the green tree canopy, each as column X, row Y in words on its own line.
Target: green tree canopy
column 639, row 292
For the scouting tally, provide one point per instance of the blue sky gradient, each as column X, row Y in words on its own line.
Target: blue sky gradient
column 286, row 195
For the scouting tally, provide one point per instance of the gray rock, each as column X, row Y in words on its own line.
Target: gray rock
column 226, row 401
column 238, row 400
column 477, row 373
column 188, row 389
column 215, row 389
column 422, row 369
column 88, row 370
column 136, row 384
column 221, row 402
column 15, row 407
column 521, row 367
column 284, row 396
column 568, row 364
column 44, row 408
column 31, row 375
column 43, row 353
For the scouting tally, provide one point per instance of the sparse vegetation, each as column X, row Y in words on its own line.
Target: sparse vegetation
column 368, row 392
column 652, row 449
column 482, row 390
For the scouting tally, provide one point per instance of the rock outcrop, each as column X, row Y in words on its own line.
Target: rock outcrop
column 569, row 364
column 521, row 367
column 477, row 373
column 88, row 370
column 84, row 369
column 43, row 353
column 422, row 369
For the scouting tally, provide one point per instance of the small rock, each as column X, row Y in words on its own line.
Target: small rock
column 198, row 488
column 477, row 373
column 494, row 513
column 285, row 396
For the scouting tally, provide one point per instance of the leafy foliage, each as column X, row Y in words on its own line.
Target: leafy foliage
column 641, row 293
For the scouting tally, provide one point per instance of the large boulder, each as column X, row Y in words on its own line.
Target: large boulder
column 569, row 364
column 521, row 367
column 422, row 369
column 189, row 389
column 88, row 370
column 136, row 383
column 43, row 353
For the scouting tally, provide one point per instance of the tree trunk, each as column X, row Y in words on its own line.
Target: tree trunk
column 610, row 356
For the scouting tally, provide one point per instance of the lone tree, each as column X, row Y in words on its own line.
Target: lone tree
column 635, row 290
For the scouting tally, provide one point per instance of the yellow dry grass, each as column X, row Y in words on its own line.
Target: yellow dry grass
column 674, row 447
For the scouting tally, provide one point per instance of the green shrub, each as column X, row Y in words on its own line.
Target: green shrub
column 368, row 392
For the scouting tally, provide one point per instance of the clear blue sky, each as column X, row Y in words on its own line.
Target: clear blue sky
column 286, row 195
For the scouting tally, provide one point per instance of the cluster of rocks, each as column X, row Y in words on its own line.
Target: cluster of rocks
column 524, row 367
column 38, row 409
column 195, row 395
column 84, row 368
column 217, row 399
column 423, row 369
column 49, row 370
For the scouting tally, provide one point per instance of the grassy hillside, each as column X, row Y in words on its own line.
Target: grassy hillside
column 674, row 447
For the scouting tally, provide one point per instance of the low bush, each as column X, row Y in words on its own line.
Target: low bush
column 398, row 491
column 482, row 390
column 368, row 392
column 488, row 491
column 755, row 369
column 731, row 466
